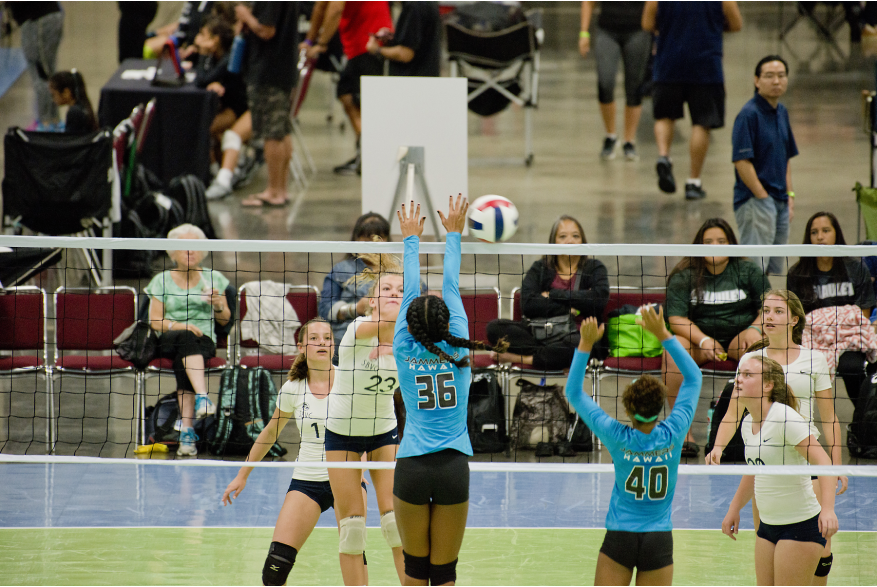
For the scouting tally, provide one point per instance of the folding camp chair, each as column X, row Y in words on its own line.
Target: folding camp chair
column 502, row 67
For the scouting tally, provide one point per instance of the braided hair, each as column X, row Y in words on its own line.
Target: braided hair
column 429, row 322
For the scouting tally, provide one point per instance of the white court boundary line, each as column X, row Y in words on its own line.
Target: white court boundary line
column 335, row 528
column 468, row 248
column 478, row 466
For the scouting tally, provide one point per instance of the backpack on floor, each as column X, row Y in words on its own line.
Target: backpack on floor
column 247, row 398
column 189, row 191
column 486, row 418
column 540, row 415
column 862, row 431
column 160, row 420
column 735, row 452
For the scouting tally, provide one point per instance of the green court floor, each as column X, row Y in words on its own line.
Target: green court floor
column 234, row 556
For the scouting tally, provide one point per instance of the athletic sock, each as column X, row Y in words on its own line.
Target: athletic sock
column 224, row 177
column 692, row 181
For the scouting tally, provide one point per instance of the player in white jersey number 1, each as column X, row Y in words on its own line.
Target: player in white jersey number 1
column 303, row 398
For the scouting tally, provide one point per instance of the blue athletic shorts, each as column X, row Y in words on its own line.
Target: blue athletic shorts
column 319, row 491
column 806, row 531
column 360, row 444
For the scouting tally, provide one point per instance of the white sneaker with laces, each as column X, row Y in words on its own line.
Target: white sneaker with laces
column 217, row 190
column 187, row 446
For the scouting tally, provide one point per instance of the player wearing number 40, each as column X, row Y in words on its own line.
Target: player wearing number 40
column 431, row 346
column 646, row 455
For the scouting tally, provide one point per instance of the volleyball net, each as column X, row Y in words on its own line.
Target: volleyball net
column 64, row 391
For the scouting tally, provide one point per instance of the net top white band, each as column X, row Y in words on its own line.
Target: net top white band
column 847, row 470
column 468, row 248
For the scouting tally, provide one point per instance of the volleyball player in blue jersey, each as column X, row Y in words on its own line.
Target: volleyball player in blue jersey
column 431, row 347
column 646, row 456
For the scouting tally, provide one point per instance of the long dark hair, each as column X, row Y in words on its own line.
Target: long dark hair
column 551, row 260
column 429, row 322
column 804, row 270
column 72, row 80
column 370, row 224
column 698, row 264
column 220, row 27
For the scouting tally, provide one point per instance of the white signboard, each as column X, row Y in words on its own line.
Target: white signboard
column 401, row 112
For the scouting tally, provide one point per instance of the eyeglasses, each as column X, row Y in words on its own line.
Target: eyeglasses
column 769, row 75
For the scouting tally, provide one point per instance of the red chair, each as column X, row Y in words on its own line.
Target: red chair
column 23, row 329
column 482, row 306
column 87, row 320
column 305, row 299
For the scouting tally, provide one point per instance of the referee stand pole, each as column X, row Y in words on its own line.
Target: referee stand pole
column 411, row 172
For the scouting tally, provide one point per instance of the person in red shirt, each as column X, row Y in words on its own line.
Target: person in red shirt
column 355, row 22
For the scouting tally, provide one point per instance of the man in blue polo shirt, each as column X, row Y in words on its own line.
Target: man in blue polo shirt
column 763, row 144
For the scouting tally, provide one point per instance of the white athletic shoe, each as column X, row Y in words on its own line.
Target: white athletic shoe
column 203, row 407
column 187, row 446
column 217, row 190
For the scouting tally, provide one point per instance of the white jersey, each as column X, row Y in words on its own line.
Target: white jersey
column 805, row 376
column 362, row 396
column 781, row 499
column 310, row 414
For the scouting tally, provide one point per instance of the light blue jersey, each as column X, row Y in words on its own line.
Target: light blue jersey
column 436, row 393
column 645, row 464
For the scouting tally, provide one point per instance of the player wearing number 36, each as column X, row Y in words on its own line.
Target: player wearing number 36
column 431, row 346
column 646, row 455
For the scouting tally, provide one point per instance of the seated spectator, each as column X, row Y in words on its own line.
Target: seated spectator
column 182, row 32
column 232, row 125
column 713, row 306
column 68, row 89
column 344, row 297
column 185, row 302
column 555, row 286
column 416, row 46
column 823, row 282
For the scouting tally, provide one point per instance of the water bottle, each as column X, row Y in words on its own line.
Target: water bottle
column 236, row 57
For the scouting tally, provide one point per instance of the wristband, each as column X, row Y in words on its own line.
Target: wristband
column 760, row 331
column 700, row 344
column 309, row 42
column 584, row 35
column 791, row 194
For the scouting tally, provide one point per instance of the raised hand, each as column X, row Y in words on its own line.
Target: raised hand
column 411, row 222
column 456, row 219
column 654, row 321
column 590, row 333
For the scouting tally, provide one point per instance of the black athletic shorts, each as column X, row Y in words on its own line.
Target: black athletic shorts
column 806, row 531
column 706, row 103
column 365, row 64
column 643, row 551
column 438, row 478
column 319, row 491
column 360, row 444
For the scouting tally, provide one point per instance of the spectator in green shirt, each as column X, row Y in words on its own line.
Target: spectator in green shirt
column 185, row 302
column 713, row 306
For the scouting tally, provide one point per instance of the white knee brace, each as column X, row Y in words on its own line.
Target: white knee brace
column 390, row 530
column 231, row 140
column 352, row 539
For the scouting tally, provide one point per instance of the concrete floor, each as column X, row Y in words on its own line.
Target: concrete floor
column 616, row 201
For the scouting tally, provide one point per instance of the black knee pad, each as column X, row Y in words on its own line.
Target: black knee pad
column 824, row 566
column 441, row 574
column 279, row 563
column 416, row 567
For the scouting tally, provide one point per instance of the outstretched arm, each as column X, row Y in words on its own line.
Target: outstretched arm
column 683, row 412
column 454, row 224
column 411, row 223
column 601, row 423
